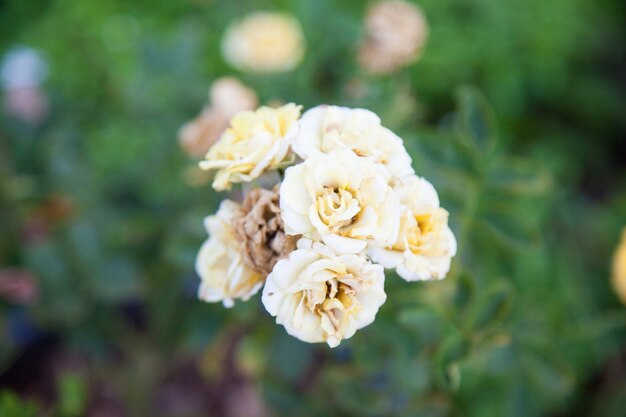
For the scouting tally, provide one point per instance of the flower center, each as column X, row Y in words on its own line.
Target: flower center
column 424, row 233
column 337, row 207
column 331, row 299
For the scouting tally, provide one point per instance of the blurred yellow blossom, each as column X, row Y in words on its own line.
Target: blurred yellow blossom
column 395, row 34
column 619, row 269
column 264, row 42
column 228, row 96
column 256, row 141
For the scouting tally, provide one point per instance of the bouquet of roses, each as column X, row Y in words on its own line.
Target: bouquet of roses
column 345, row 203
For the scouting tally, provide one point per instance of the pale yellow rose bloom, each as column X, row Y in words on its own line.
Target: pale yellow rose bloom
column 319, row 296
column 425, row 244
column 264, row 42
column 219, row 263
column 342, row 199
column 619, row 269
column 255, row 142
column 326, row 128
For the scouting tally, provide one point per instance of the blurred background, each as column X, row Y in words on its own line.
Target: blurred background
column 514, row 110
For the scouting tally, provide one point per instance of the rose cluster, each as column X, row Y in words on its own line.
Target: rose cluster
column 346, row 204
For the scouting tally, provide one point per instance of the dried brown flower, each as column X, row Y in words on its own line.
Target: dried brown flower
column 259, row 226
column 227, row 96
column 395, row 34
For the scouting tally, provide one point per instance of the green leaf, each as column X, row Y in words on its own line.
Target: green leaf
column 14, row 406
column 72, row 391
column 465, row 291
column 427, row 323
column 475, row 121
column 494, row 308
column 454, row 348
column 514, row 224
column 519, row 177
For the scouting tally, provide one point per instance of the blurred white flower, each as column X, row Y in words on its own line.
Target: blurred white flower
column 227, row 97
column 619, row 269
column 264, row 42
column 23, row 67
column 395, row 34
column 256, row 141
column 320, row 296
column 425, row 244
column 219, row 263
column 325, row 128
column 23, row 71
column 342, row 199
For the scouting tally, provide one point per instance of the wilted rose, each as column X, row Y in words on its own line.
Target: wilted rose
column 260, row 229
column 219, row 263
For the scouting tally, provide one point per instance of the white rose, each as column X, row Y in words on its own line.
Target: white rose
column 219, row 263
column 425, row 244
column 325, row 128
column 323, row 297
column 341, row 199
column 256, row 141
column 264, row 42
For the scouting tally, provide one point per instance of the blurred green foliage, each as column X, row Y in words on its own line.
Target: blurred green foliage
column 531, row 170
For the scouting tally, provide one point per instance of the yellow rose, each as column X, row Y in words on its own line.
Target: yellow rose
column 256, row 141
column 264, row 42
column 425, row 244
column 619, row 269
column 342, row 199
column 219, row 263
column 320, row 296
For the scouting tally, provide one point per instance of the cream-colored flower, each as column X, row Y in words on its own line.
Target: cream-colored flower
column 320, row 296
column 264, row 42
column 619, row 269
column 342, row 199
column 425, row 244
column 325, row 128
column 256, row 141
column 395, row 34
column 219, row 263
column 228, row 96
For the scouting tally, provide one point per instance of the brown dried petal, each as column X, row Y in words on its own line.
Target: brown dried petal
column 261, row 230
column 197, row 136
